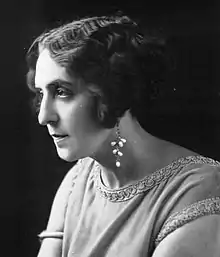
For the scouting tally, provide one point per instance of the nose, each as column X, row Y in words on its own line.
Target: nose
column 47, row 113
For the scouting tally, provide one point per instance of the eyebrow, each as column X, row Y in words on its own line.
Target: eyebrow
column 55, row 82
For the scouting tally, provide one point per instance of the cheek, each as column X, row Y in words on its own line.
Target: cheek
column 78, row 120
column 84, row 123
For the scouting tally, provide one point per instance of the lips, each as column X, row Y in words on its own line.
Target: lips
column 58, row 137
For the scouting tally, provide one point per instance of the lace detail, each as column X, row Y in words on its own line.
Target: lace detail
column 150, row 181
column 190, row 213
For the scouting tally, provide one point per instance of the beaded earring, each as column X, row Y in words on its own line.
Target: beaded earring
column 117, row 144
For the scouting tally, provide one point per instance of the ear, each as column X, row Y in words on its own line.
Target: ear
column 95, row 92
column 102, row 110
column 94, row 89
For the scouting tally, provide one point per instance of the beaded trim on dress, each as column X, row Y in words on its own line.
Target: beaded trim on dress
column 190, row 213
column 128, row 192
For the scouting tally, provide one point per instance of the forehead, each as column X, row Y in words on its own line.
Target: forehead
column 47, row 70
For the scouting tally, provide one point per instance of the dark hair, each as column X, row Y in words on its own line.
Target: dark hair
column 113, row 53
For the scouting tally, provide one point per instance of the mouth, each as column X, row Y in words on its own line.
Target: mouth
column 57, row 137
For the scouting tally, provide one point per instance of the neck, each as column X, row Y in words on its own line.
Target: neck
column 142, row 153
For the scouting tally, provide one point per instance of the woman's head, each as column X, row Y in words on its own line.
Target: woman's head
column 87, row 74
column 118, row 62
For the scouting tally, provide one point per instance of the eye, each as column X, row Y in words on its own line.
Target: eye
column 37, row 99
column 62, row 92
column 38, row 96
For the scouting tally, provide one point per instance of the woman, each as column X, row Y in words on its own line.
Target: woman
column 130, row 193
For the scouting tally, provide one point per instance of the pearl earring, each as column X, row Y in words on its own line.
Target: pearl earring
column 117, row 144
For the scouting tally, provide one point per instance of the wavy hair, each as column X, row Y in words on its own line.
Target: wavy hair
column 113, row 53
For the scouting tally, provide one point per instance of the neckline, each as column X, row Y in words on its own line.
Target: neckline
column 148, row 182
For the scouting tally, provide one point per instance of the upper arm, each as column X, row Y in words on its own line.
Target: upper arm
column 199, row 238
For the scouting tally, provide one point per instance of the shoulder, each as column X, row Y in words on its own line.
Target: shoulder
column 79, row 169
column 194, row 176
column 200, row 179
column 194, row 195
column 59, row 205
column 60, row 202
column 189, row 180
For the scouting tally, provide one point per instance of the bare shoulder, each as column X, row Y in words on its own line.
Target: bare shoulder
column 199, row 238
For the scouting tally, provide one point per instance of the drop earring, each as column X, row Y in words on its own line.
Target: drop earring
column 117, row 144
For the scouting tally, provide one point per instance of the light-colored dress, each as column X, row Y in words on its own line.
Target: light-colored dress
column 95, row 221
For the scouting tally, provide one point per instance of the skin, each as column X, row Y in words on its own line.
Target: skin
column 65, row 109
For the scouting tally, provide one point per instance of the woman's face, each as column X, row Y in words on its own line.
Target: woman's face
column 66, row 110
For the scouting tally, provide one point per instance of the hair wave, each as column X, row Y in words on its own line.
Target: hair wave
column 115, row 54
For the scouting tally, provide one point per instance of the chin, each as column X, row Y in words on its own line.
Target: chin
column 67, row 156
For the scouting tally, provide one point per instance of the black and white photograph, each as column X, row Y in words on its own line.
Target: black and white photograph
column 110, row 125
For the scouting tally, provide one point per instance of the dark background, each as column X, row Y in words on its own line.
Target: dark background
column 30, row 168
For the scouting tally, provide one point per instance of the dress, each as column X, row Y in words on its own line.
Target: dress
column 95, row 221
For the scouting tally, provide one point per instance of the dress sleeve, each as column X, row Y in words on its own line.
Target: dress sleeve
column 57, row 215
column 202, row 199
column 192, row 212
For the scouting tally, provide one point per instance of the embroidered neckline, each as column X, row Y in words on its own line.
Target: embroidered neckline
column 127, row 192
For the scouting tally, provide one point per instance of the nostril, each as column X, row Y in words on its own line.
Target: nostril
column 47, row 117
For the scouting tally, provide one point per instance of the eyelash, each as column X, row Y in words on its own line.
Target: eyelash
column 66, row 93
column 57, row 92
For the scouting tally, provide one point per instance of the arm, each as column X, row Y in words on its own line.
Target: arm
column 199, row 238
column 52, row 237
column 51, row 247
